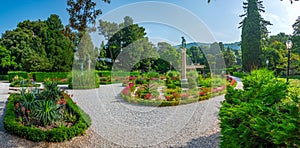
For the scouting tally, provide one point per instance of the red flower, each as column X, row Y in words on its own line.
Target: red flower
column 168, row 98
column 17, row 105
column 147, row 96
column 132, row 77
column 75, row 103
column 184, row 96
column 28, row 111
column 232, row 82
column 202, row 93
column 176, row 95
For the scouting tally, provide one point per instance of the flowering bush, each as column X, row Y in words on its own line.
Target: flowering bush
column 184, row 96
column 148, row 96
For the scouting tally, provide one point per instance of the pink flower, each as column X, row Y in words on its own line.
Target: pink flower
column 126, row 91
column 131, row 84
column 23, row 109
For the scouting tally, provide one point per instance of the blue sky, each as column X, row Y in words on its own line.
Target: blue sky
column 221, row 17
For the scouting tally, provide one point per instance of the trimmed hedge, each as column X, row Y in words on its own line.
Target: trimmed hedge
column 58, row 134
column 84, row 80
column 3, row 77
column 116, row 73
column 41, row 76
column 12, row 74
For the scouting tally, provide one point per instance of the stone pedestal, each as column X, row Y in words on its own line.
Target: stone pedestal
column 183, row 70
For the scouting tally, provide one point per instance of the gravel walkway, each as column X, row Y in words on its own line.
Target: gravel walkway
column 116, row 123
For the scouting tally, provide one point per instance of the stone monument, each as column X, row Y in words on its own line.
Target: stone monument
column 183, row 53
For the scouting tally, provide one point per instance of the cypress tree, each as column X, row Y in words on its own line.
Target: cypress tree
column 253, row 29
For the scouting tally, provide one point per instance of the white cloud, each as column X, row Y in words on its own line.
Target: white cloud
column 282, row 15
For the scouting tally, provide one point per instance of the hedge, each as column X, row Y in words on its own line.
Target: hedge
column 116, row 73
column 58, row 134
column 3, row 77
column 84, row 80
column 12, row 74
column 41, row 76
column 263, row 114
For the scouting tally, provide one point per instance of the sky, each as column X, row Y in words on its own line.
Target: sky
column 164, row 20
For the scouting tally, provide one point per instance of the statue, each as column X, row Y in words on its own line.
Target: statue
column 183, row 42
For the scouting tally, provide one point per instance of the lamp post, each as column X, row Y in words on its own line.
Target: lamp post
column 289, row 45
column 267, row 62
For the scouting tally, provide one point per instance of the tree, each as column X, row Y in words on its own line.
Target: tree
column 229, row 57
column 82, row 13
column 58, row 45
column 39, row 46
column 296, row 27
column 7, row 62
column 253, row 29
column 120, row 36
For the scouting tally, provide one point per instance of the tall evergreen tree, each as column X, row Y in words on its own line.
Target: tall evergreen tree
column 253, row 30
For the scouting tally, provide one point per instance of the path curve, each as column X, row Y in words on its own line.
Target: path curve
column 107, row 109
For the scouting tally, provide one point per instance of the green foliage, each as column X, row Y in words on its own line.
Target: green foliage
column 60, row 77
column 239, row 74
column 253, row 30
column 82, row 13
column 57, row 134
column 84, row 80
column 51, row 91
column 7, row 62
column 192, row 83
column 261, row 115
column 140, row 80
column 12, row 74
column 3, row 77
column 47, row 112
column 152, row 74
column 37, row 46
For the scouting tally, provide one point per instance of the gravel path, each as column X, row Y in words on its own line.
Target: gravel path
column 116, row 123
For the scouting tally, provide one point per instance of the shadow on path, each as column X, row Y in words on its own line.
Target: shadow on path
column 210, row 141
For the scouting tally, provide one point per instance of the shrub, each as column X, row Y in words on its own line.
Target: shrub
column 3, row 77
column 12, row 74
column 84, row 80
column 57, row 134
column 239, row 74
column 140, row 81
column 152, row 74
column 261, row 115
column 192, row 83
column 60, row 77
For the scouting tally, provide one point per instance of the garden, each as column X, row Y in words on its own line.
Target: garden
column 154, row 89
column 45, row 115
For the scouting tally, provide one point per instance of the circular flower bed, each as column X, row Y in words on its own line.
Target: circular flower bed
column 48, row 115
column 170, row 91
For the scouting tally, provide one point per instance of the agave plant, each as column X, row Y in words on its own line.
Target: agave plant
column 47, row 112
column 51, row 91
column 28, row 101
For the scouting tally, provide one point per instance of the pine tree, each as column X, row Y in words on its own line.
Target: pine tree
column 253, row 30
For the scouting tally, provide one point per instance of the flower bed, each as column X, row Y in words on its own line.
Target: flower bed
column 48, row 115
column 141, row 91
column 21, row 82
